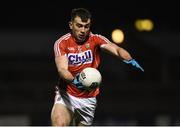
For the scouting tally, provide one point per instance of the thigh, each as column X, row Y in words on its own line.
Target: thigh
column 84, row 110
column 61, row 115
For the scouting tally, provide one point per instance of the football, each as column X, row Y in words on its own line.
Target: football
column 90, row 77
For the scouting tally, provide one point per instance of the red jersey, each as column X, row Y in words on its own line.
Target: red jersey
column 79, row 57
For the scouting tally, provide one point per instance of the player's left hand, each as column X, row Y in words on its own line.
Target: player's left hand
column 134, row 63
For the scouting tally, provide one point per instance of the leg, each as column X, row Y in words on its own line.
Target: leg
column 61, row 115
column 80, row 124
column 76, row 122
column 82, row 118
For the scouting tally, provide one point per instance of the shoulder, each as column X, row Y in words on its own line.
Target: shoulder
column 99, row 37
column 61, row 42
column 63, row 38
column 93, row 35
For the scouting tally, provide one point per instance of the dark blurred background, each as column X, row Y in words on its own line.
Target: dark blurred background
column 28, row 30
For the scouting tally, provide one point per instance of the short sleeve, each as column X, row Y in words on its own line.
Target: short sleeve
column 59, row 48
column 101, row 40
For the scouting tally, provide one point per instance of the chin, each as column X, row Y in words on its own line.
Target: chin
column 81, row 41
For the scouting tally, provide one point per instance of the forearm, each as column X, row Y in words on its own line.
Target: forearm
column 123, row 54
column 66, row 75
column 62, row 67
column 117, row 51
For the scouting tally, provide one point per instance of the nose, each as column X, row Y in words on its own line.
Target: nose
column 83, row 30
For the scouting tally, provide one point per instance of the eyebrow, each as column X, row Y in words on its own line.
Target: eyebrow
column 83, row 24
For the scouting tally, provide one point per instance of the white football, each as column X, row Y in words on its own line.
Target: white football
column 90, row 76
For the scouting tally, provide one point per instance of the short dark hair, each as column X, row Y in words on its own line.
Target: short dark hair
column 83, row 13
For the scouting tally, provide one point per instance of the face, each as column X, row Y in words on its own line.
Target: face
column 80, row 30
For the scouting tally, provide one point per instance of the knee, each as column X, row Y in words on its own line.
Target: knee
column 58, row 121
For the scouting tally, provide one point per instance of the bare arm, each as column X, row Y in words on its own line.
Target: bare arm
column 117, row 51
column 62, row 67
column 121, row 53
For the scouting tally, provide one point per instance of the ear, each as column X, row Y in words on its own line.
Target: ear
column 70, row 25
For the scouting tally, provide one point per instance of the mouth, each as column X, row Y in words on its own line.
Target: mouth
column 82, row 37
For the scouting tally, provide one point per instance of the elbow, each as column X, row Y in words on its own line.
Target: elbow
column 61, row 71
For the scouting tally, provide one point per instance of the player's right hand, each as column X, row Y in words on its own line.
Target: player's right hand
column 76, row 82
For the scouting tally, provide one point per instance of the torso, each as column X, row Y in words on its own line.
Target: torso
column 80, row 56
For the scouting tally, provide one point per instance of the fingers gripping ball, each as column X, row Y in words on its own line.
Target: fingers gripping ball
column 90, row 77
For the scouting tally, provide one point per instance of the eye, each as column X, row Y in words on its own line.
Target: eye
column 79, row 25
column 87, row 26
